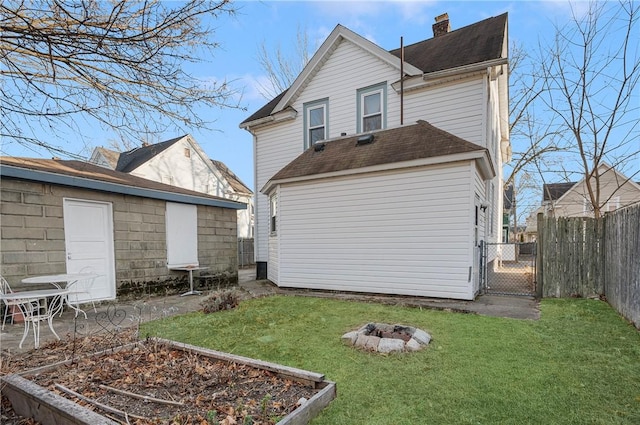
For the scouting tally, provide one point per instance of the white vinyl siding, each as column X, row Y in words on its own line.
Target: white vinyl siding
column 276, row 146
column 454, row 107
column 347, row 69
column 457, row 107
column 403, row 232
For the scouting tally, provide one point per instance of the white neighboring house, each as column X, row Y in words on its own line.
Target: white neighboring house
column 373, row 184
column 571, row 199
column 181, row 162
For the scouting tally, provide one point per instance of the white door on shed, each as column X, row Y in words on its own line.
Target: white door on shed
column 88, row 232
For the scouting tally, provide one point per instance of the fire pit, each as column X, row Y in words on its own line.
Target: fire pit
column 384, row 338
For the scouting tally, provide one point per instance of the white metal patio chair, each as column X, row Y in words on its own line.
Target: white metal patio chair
column 12, row 308
column 79, row 287
column 40, row 310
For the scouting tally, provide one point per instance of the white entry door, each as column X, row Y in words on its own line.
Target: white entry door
column 88, row 231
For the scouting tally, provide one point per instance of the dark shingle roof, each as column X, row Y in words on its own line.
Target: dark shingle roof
column 233, row 180
column 411, row 142
column 265, row 111
column 88, row 171
column 475, row 43
column 553, row 191
column 130, row 160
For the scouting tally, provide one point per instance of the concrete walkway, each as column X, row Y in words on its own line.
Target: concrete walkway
column 132, row 313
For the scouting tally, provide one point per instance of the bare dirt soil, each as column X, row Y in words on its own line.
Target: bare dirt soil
column 153, row 383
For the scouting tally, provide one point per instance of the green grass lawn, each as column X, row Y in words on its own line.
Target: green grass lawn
column 579, row 364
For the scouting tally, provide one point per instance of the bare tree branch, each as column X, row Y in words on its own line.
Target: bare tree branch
column 281, row 70
column 591, row 87
column 118, row 64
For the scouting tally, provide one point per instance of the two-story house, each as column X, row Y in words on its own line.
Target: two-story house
column 181, row 162
column 380, row 171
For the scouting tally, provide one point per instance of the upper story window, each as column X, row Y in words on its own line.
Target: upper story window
column 372, row 102
column 316, row 121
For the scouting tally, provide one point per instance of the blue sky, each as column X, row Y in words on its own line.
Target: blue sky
column 276, row 23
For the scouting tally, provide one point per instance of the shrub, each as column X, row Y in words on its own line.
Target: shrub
column 221, row 300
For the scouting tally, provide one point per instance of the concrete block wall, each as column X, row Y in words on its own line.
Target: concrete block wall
column 32, row 237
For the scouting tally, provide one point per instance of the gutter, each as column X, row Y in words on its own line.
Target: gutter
column 480, row 156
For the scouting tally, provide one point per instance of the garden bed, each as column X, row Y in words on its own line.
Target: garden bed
column 159, row 381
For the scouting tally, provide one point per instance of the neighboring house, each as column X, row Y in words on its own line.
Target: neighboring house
column 571, row 199
column 61, row 216
column 373, row 184
column 181, row 162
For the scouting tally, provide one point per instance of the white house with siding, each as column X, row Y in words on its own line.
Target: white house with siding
column 181, row 162
column 375, row 183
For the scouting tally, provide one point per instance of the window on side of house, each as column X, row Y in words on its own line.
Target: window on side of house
column 371, row 106
column 316, row 119
column 273, row 211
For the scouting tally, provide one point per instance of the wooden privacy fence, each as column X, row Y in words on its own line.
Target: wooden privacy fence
column 587, row 257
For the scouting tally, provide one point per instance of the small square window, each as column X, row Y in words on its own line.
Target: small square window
column 187, row 152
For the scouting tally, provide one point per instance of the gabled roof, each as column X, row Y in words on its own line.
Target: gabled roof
column 553, row 191
column 234, row 181
column 419, row 141
column 130, row 160
column 476, row 43
column 556, row 191
column 93, row 177
column 110, row 156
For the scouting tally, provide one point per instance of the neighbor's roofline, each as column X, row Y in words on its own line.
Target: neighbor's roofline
column 85, row 183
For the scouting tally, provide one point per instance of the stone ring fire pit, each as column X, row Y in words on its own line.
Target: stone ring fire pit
column 384, row 338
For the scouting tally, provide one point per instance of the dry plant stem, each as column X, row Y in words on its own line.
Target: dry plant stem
column 100, row 405
column 140, row 396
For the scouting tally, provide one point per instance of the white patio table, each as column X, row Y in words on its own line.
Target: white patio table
column 37, row 306
column 190, row 269
column 63, row 281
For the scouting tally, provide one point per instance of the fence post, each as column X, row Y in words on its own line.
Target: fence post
column 539, row 256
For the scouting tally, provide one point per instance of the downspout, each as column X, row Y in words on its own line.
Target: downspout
column 401, row 80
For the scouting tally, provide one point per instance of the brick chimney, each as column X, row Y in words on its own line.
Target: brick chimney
column 442, row 25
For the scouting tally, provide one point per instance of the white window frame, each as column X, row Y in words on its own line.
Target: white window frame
column 273, row 214
column 362, row 93
column 308, row 108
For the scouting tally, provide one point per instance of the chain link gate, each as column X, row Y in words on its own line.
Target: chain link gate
column 508, row 268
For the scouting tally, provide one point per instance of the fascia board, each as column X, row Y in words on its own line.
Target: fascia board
column 339, row 33
column 417, row 83
column 480, row 155
column 103, row 186
column 479, row 66
column 286, row 114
